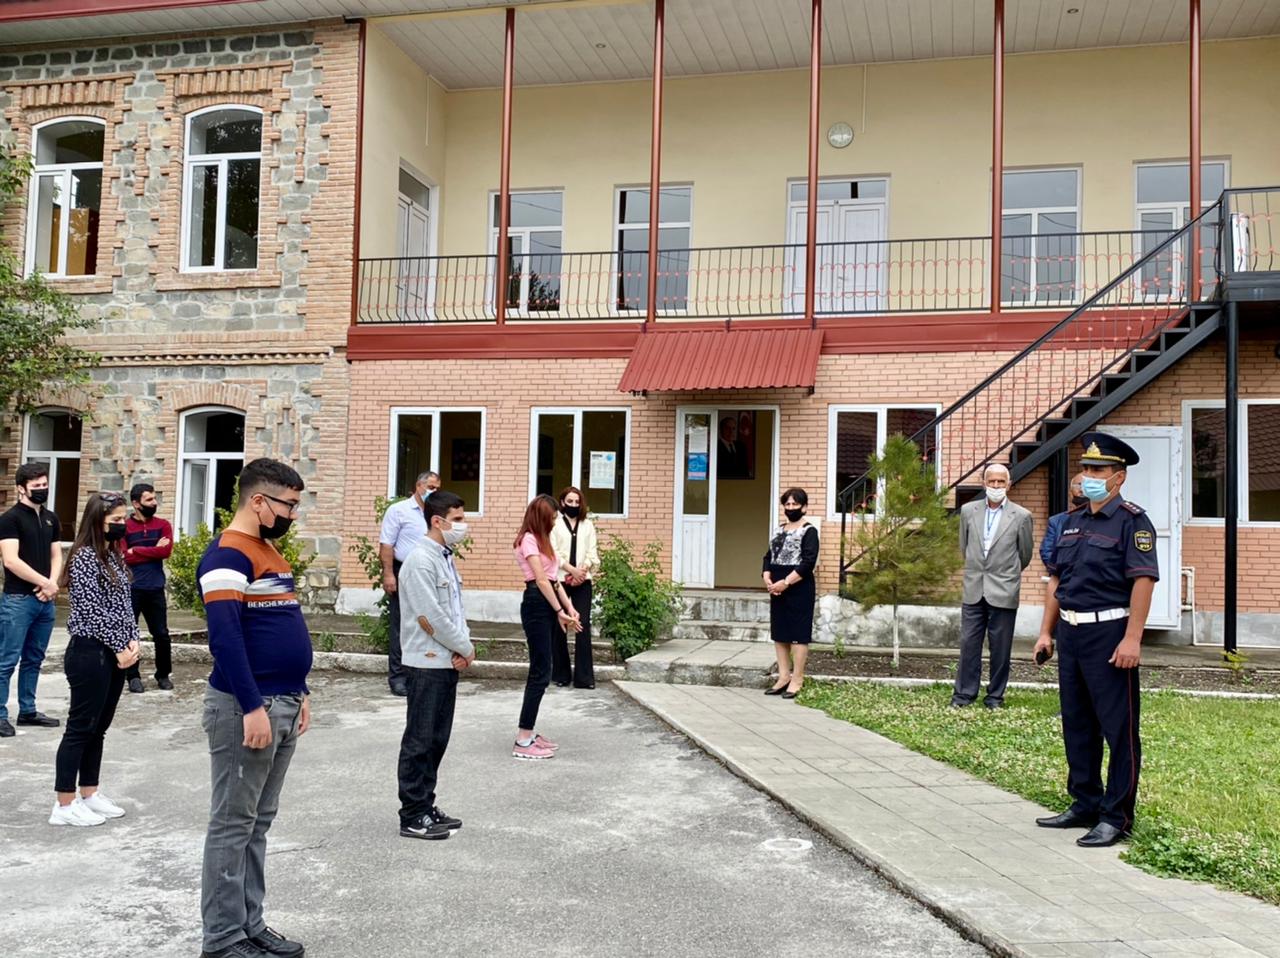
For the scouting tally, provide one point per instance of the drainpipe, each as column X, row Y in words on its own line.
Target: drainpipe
column 997, row 153
column 811, row 231
column 504, row 184
column 655, row 163
column 1193, row 161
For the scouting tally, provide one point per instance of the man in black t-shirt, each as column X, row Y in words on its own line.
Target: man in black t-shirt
column 30, row 546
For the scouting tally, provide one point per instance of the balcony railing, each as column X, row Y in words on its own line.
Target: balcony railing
column 1047, row 271
column 1251, row 240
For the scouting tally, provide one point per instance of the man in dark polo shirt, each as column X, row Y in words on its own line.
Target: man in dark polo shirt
column 29, row 544
column 148, row 541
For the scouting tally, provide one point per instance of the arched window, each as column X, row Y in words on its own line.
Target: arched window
column 52, row 436
column 220, row 205
column 210, row 457
column 66, row 197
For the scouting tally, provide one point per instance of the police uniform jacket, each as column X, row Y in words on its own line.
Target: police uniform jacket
column 1099, row 554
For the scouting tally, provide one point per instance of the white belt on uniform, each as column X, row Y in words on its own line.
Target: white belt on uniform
column 1088, row 618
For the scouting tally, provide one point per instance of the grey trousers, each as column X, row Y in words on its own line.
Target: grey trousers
column 981, row 622
column 243, row 803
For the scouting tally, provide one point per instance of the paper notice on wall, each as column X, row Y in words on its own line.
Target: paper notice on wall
column 697, row 439
column 604, row 470
column 696, row 469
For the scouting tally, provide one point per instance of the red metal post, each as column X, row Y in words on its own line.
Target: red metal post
column 811, row 222
column 655, row 160
column 997, row 154
column 355, row 226
column 1193, row 161
column 504, row 181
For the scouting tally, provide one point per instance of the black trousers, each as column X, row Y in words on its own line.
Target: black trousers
column 428, row 724
column 1099, row 703
column 981, row 622
column 540, row 623
column 583, row 674
column 96, row 681
column 151, row 605
column 395, row 671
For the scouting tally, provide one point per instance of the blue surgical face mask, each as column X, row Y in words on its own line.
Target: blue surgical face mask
column 1095, row 489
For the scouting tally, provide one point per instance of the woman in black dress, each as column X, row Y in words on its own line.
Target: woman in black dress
column 788, row 575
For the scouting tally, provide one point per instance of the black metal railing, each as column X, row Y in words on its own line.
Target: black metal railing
column 1250, row 232
column 1008, row 406
column 1048, row 271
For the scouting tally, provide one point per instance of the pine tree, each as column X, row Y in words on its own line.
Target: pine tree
column 911, row 549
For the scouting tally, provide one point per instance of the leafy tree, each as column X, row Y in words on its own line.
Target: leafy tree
column 910, row 551
column 34, row 317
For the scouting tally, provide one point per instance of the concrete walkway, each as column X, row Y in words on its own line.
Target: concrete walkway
column 964, row 848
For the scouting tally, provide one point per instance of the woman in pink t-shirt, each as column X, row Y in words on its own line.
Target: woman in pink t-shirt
column 544, row 604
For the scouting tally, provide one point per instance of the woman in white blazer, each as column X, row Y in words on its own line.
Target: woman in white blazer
column 573, row 537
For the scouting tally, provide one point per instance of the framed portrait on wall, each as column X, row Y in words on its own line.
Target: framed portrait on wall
column 736, row 455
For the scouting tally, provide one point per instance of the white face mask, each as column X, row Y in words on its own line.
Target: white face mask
column 455, row 534
column 996, row 495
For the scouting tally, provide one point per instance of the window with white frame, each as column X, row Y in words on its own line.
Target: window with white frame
column 1162, row 193
column 535, row 245
column 447, row 441
column 856, row 433
column 1204, row 423
column 586, row 448
column 1038, row 247
column 222, row 178
column 52, row 436
column 631, row 224
column 210, row 457
column 66, row 198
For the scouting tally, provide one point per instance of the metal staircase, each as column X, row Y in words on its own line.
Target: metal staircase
column 1140, row 323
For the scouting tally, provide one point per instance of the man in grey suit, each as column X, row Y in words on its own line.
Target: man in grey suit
column 996, row 542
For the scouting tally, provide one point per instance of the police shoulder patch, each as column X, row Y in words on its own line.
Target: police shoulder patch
column 1133, row 507
column 1144, row 540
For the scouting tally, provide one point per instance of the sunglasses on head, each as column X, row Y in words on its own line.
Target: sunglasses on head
column 111, row 498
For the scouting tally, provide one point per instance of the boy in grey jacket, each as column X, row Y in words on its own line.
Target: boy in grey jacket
column 435, row 645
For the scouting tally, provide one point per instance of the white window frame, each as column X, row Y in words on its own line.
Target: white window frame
column 524, row 232
column 29, row 454
column 619, row 226
column 575, row 478
column 63, row 171
column 1242, row 497
column 882, row 434
column 434, row 459
column 180, row 510
column 1182, row 211
column 1035, row 212
column 189, row 162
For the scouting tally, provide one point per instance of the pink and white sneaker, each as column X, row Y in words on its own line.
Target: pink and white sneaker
column 531, row 752
column 545, row 742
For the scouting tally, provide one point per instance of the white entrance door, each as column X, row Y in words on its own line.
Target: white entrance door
column 853, row 257
column 413, row 246
column 1155, row 483
column 694, row 550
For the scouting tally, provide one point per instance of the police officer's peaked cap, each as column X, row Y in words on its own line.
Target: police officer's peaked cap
column 1101, row 449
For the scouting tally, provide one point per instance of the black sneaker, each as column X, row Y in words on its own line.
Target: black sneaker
column 6, row 730
column 423, row 827
column 271, row 942
column 164, row 682
column 243, row 948
column 135, row 685
column 40, row 719
column 440, row 818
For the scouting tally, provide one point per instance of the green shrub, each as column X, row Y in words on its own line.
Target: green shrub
column 377, row 628
column 634, row 603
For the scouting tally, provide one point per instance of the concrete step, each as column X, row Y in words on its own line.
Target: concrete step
column 721, row 606
column 721, row 631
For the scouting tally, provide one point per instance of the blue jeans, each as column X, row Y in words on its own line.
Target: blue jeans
column 25, row 626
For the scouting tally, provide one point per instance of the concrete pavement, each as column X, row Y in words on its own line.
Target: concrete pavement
column 967, row 849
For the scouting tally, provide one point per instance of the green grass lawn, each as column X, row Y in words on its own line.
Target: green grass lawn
column 1209, row 799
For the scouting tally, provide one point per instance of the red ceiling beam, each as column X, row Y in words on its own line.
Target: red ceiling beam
column 1193, row 163
column 997, row 153
column 811, row 223
column 655, row 160
column 504, row 185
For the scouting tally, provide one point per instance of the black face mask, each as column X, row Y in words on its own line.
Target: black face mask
column 793, row 515
column 1079, row 500
column 571, row 511
column 38, row 496
column 115, row 531
column 276, row 529
column 147, row 511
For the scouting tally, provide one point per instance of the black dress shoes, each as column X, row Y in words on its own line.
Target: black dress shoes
column 1102, row 835
column 164, row 682
column 788, row 694
column 271, row 942
column 1068, row 819
column 136, row 686
column 775, row 691
column 40, row 719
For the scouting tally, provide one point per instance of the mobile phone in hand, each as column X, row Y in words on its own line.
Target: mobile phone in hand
column 1043, row 656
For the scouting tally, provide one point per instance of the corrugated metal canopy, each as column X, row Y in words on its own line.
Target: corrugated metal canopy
column 673, row 360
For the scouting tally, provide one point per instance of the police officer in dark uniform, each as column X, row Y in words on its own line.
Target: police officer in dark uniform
column 1104, row 571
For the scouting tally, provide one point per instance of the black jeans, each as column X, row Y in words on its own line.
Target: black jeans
column 96, row 680
column 583, row 675
column 150, row 604
column 539, row 621
column 395, row 671
column 428, row 724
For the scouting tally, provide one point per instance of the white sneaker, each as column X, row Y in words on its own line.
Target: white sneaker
column 77, row 813
column 99, row 803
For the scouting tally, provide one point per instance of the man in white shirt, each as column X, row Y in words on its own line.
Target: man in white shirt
column 403, row 529
column 996, row 542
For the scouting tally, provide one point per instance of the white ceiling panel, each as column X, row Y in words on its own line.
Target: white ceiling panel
column 460, row 41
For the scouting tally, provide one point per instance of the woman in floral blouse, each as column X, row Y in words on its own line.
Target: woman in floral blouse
column 104, row 644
